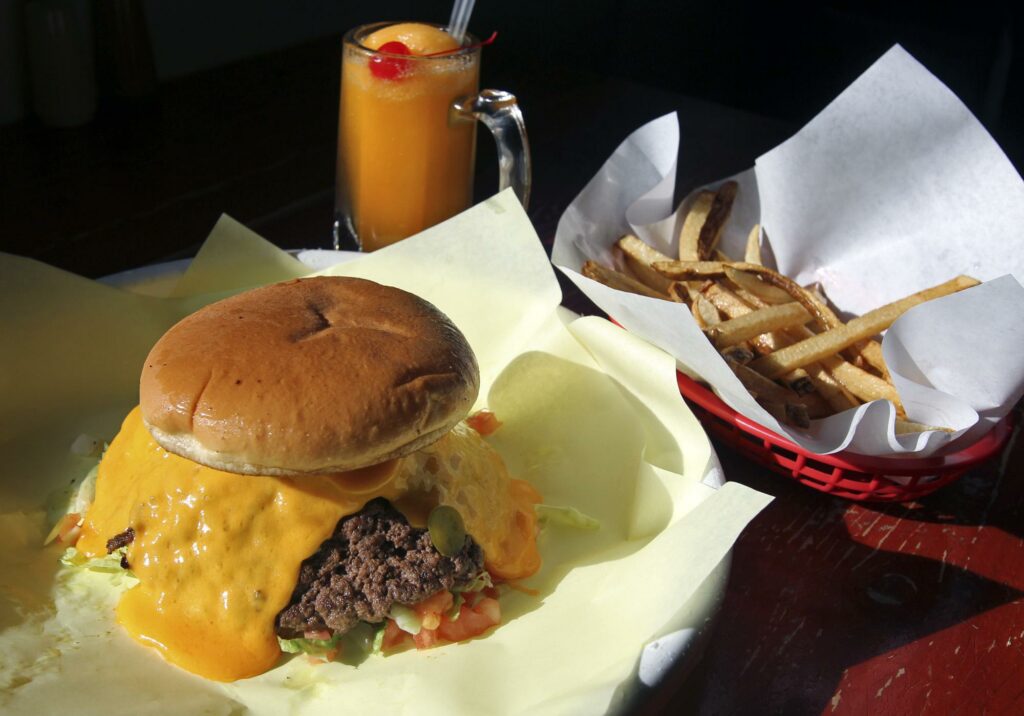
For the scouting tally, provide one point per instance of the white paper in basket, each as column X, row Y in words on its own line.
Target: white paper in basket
column 892, row 188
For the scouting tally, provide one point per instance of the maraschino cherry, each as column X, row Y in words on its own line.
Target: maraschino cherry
column 390, row 68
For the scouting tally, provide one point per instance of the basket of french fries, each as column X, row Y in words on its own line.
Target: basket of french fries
column 878, row 394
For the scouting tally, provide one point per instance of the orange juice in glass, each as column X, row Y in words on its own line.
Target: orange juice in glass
column 407, row 132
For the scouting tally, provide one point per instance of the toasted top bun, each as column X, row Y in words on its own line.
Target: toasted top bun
column 308, row 376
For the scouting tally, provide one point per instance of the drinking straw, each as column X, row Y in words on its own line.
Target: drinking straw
column 460, row 19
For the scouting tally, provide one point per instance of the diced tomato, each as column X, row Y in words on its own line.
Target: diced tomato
column 439, row 603
column 484, row 422
column 425, row 639
column 393, row 636
column 472, row 621
column 319, row 634
column 67, row 530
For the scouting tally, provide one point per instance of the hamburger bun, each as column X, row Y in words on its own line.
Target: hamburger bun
column 308, row 376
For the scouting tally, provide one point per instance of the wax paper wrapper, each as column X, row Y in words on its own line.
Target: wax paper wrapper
column 590, row 417
column 892, row 188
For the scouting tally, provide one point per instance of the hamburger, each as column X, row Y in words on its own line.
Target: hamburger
column 299, row 468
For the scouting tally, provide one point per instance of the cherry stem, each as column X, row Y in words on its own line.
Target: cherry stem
column 483, row 43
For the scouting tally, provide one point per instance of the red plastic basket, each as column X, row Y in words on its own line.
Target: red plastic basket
column 844, row 474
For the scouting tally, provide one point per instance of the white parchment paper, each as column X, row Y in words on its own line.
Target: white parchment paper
column 892, row 188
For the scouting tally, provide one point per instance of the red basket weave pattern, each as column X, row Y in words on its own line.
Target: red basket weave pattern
column 844, row 474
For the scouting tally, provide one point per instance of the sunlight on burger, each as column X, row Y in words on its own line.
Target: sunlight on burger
column 298, row 474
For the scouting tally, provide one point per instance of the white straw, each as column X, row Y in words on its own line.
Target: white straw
column 460, row 19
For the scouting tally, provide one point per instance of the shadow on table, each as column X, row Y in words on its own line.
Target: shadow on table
column 818, row 587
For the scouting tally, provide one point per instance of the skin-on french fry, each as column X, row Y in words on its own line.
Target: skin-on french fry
column 794, row 414
column 752, row 255
column 739, row 353
column 830, row 389
column 817, row 406
column 904, row 427
column 706, row 313
column 684, row 270
column 764, row 314
column 639, row 256
column 690, row 270
column 617, row 279
column 842, row 383
column 749, row 282
column 761, row 387
column 679, row 293
column 721, row 207
column 832, row 341
column 754, row 323
column 871, row 352
column 732, row 306
column 689, row 235
column 799, row 382
column 862, row 384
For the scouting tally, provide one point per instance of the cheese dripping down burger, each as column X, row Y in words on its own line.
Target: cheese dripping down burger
column 292, row 446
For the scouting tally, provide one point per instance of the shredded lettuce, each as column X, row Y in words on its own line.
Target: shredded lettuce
column 317, row 647
column 110, row 563
column 352, row 648
column 566, row 516
column 482, row 581
column 378, row 639
column 456, row 610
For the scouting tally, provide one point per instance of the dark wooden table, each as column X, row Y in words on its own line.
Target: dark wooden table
column 831, row 607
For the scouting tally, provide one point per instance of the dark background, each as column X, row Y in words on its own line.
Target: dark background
column 247, row 98
column 243, row 121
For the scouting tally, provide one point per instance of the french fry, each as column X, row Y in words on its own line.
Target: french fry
column 766, row 292
column 721, row 207
column 752, row 255
column 746, row 310
column 706, row 313
column 690, row 270
column 787, row 405
column 871, row 352
column 689, row 235
column 685, row 270
column 794, row 414
column 761, row 387
column 862, row 384
column 799, row 382
column 739, row 353
column 842, row 383
column 834, row 340
column 639, row 256
column 732, row 306
column 679, row 293
column 754, row 323
column 617, row 279
column 904, row 427
column 830, row 389
column 816, row 405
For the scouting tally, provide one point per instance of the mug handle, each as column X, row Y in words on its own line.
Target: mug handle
column 500, row 112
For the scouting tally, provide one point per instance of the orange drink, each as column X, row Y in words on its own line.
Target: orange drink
column 405, row 147
column 403, row 162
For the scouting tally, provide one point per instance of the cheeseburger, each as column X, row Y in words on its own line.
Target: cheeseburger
column 299, row 468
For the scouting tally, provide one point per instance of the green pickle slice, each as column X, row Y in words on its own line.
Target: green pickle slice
column 447, row 530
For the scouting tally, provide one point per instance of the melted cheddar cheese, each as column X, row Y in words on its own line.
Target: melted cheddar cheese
column 217, row 554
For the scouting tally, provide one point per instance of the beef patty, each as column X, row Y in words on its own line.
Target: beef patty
column 374, row 559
